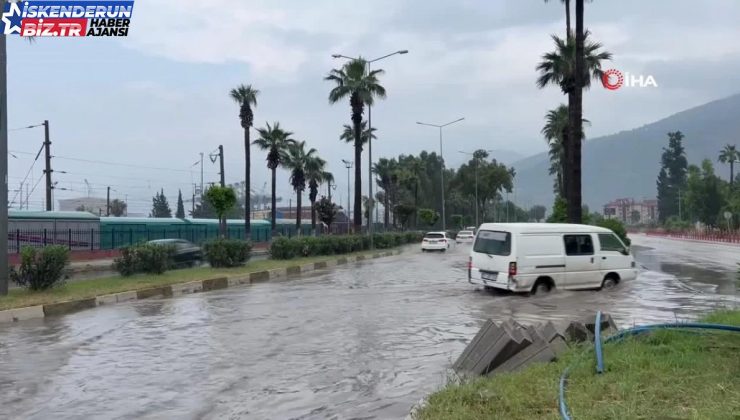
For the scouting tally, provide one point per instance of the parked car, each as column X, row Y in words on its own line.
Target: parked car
column 435, row 241
column 465, row 236
column 186, row 253
column 536, row 257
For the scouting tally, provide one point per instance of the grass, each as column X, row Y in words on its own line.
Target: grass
column 663, row 375
column 18, row 298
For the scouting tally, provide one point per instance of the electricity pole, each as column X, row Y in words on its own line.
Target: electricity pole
column 3, row 163
column 221, row 157
column 47, row 171
column 107, row 203
column 348, row 165
column 201, row 176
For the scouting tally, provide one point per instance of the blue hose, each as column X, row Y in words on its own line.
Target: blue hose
column 564, row 414
column 597, row 344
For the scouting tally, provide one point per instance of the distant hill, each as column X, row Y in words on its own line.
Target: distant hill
column 626, row 164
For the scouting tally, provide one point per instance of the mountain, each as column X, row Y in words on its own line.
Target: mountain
column 626, row 164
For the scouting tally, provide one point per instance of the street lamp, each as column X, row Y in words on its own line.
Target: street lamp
column 442, row 163
column 348, row 165
column 370, row 200
column 476, row 182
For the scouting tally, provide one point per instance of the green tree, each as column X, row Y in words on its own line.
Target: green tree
column 222, row 199
column 160, row 206
column 493, row 178
column 246, row 97
column 635, row 217
column 180, row 212
column 672, row 176
column 428, row 216
column 537, row 213
column 361, row 86
column 704, row 197
column 457, row 220
column 296, row 159
column 560, row 68
column 275, row 141
column 315, row 175
column 559, row 212
column 386, row 171
column 327, row 211
column 404, row 213
column 729, row 155
column 118, row 207
column 556, row 131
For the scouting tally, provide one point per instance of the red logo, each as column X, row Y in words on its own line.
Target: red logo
column 612, row 79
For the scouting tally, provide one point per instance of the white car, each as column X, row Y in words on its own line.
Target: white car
column 465, row 236
column 435, row 241
column 536, row 257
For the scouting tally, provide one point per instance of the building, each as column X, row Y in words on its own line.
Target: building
column 95, row 205
column 631, row 212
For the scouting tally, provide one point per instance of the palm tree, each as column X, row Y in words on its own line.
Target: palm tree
column 555, row 131
column 567, row 15
column 386, row 170
column 296, row 160
column 275, row 140
column 729, row 155
column 559, row 68
column 315, row 175
column 353, row 81
column 246, row 97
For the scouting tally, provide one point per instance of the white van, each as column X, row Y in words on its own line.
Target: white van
column 535, row 257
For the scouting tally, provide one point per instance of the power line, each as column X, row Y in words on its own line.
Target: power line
column 28, row 173
column 123, row 164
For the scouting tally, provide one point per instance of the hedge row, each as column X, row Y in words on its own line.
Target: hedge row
column 283, row 248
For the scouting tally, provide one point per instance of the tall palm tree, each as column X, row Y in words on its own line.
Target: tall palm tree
column 555, row 131
column 246, row 97
column 575, row 114
column 315, row 175
column 353, row 81
column 729, row 155
column 567, row 15
column 559, row 68
column 386, row 171
column 276, row 141
column 296, row 160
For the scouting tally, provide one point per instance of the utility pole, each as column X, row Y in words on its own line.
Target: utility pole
column 47, row 171
column 348, row 165
column 107, row 203
column 221, row 157
column 3, row 164
column 201, row 176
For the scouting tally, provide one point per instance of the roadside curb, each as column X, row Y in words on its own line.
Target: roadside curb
column 179, row 289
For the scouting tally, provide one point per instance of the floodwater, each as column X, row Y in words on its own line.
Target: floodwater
column 365, row 340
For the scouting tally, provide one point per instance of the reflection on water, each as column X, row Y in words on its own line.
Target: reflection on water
column 362, row 341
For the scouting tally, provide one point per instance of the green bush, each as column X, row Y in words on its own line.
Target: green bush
column 41, row 268
column 617, row 227
column 227, row 252
column 144, row 258
column 283, row 248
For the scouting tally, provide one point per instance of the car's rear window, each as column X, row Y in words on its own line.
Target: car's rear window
column 465, row 232
column 434, row 236
column 493, row 242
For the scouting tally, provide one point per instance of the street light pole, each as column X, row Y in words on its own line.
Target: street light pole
column 477, row 223
column 370, row 200
column 348, row 165
column 442, row 164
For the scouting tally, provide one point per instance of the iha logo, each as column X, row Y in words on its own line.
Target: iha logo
column 613, row 79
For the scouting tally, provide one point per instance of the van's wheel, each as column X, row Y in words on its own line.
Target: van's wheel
column 610, row 282
column 541, row 287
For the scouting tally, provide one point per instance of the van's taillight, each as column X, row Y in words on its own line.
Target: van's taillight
column 512, row 268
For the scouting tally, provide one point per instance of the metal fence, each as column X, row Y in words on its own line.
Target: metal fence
column 97, row 239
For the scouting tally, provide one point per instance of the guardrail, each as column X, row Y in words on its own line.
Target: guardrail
column 719, row 236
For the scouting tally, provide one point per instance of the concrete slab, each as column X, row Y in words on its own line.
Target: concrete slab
column 259, row 276
column 187, row 288
column 277, row 273
column 293, row 270
column 462, row 361
column 319, row 265
column 305, row 268
column 342, row 260
column 6, row 316
column 31, row 312
column 61, row 308
column 162, row 291
column 106, row 300
column 330, row 263
column 216, row 283
column 539, row 351
column 126, row 296
column 493, row 345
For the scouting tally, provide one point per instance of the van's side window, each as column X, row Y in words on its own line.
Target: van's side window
column 609, row 242
column 578, row 245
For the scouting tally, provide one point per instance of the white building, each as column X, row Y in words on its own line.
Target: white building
column 95, row 205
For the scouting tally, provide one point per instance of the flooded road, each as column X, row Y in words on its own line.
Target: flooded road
column 365, row 340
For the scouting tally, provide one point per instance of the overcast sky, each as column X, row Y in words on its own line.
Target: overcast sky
column 159, row 97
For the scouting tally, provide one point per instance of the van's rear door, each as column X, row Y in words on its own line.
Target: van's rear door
column 490, row 258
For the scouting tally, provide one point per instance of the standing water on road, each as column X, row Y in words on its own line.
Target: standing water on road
column 366, row 340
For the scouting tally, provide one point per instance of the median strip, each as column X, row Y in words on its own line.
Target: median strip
column 85, row 294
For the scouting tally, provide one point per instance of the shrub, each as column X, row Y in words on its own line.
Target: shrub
column 227, row 252
column 144, row 258
column 616, row 226
column 41, row 269
column 306, row 246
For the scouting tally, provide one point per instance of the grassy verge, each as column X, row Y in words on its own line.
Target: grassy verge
column 18, row 298
column 664, row 375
